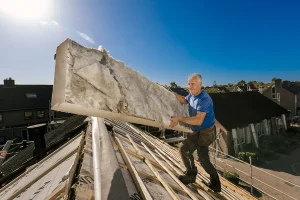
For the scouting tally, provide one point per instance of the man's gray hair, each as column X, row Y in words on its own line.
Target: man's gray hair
column 195, row 75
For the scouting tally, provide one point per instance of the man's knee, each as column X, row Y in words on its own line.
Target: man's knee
column 183, row 149
column 203, row 154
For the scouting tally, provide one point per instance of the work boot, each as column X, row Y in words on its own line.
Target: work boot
column 215, row 184
column 189, row 176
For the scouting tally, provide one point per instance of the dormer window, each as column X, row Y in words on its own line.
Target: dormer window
column 273, row 92
column 31, row 95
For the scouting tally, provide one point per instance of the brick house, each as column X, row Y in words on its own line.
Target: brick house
column 286, row 94
column 22, row 106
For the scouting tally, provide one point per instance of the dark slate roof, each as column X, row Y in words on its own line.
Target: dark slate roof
column 238, row 109
column 180, row 91
column 295, row 89
column 14, row 98
column 52, row 138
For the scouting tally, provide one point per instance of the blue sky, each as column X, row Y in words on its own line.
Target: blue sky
column 225, row 41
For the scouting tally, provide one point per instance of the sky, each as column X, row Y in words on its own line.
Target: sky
column 224, row 41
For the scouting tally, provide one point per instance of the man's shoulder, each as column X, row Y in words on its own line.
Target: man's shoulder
column 205, row 96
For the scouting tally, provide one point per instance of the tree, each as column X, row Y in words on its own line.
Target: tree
column 241, row 83
column 215, row 83
column 273, row 79
column 230, row 84
column 174, row 85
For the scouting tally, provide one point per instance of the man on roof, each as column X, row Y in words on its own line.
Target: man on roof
column 202, row 121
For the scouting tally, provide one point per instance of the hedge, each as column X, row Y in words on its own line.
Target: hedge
column 232, row 177
column 244, row 156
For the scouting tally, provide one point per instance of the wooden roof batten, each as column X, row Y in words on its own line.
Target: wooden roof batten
column 141, row 140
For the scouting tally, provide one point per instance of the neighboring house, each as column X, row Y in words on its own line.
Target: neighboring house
column 286, row 94
column 244, row 88
column 251, row 87
column 240, row 88
column 22, row 106
column 230, row 89
column 236, row 111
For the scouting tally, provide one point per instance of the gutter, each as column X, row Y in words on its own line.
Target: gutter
column 20, row 109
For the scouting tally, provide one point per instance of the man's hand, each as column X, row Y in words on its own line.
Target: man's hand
column 174, row 121
column 180, row 98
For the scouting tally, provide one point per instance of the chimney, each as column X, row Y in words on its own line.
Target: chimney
column 9, row 83
column 37, row 133
column 278, row 83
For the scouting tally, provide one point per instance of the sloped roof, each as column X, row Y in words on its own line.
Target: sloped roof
column 52, row 138
column 295, row 89
column 15, row 98
column 147, row 166
column 238, row 109
column 144, row 152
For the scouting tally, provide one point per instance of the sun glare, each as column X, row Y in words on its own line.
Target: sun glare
column 24, row 9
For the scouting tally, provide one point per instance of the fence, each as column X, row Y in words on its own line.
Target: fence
column 252, row 175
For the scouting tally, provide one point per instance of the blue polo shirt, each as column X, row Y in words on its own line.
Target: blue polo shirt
column 201, row 103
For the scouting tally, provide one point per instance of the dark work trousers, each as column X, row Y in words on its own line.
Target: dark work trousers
column 198, row 142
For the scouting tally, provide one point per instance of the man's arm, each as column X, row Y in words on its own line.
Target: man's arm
column 196, row 120
column 180, row 98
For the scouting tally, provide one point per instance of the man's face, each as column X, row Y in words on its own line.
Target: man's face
column 194, row 86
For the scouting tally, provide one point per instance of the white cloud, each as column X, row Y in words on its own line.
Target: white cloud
column 43, row 23
column 50, row 24
column 54, row 23
column 86, row 37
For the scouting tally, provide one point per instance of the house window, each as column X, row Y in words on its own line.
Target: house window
column 31, row 95
column 28, row 115
column 40, row 114
column 242, row 136
column 273, row 92
column 1, row 118
column 2, row 140
column 278, row 96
